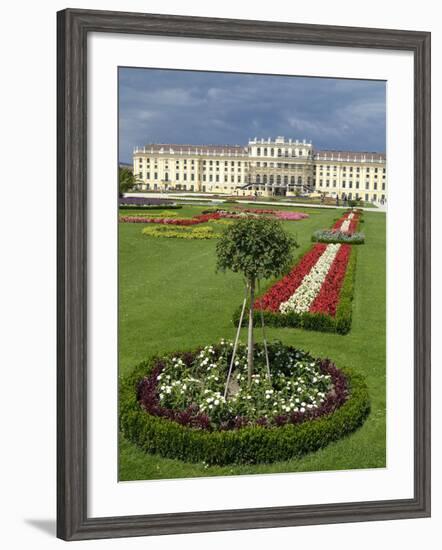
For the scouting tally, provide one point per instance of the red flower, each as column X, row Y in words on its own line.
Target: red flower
column 283, row 289
column 328, row 297
column 203, row 218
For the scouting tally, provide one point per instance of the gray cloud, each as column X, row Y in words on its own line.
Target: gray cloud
column 206, row 107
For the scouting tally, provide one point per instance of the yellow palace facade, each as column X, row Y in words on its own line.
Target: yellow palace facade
column 264, row 167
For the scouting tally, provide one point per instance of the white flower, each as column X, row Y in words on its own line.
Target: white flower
column 311, row 284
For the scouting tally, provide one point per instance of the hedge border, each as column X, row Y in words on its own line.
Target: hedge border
column 328, row 238
column 340, row 323
column 248, row 445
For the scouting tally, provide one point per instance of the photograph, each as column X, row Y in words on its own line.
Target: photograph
column 252, row 213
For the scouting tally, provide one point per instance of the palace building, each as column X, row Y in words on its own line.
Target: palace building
column 264, row 167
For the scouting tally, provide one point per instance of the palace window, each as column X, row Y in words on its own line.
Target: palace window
column 155, row 176
column 177, row 176
column 258, row 151
column 279, row 153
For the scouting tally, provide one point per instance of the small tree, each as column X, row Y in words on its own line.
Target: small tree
column 258, row 248
column 127, row 180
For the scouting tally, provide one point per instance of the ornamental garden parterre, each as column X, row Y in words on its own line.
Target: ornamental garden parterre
column 231, row 402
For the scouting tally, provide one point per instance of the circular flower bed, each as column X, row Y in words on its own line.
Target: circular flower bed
column 174, row 405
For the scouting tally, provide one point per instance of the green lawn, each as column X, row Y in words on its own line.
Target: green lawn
column 172, row 299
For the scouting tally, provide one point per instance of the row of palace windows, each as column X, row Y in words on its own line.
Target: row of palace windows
column 192, row 162
column 350, row 168
column 350, row 184
column 367, row 176
column 280, row 152
column 280, row 165
column 279, row 179
column 192, row 177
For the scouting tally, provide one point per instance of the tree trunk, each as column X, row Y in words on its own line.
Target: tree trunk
column 250, row 344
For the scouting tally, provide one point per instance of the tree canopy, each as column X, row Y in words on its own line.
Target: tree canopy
column 257, row 247
column 127, row 180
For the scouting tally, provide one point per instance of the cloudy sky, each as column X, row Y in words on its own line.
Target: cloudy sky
column 189, row 107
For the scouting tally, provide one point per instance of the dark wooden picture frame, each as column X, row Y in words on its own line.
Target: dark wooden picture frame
column 73, row 28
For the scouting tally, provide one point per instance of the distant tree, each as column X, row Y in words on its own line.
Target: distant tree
column 258, row 248
column 127, row 180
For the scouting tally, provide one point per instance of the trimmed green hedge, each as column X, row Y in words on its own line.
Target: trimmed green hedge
column 340, row 323
column 248, row 445
column 335, row 237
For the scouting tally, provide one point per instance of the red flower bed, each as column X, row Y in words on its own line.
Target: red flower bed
column 283, row 289
column 255, row 210
column 328, row 298
column 203, row 218
column 353, row 222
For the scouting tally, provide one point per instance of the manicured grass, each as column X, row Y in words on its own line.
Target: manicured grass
column 172, row 299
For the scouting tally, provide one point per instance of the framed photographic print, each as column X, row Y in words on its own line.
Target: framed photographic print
column 243, row 274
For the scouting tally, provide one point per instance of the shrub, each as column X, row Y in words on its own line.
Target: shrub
column 250, row 444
